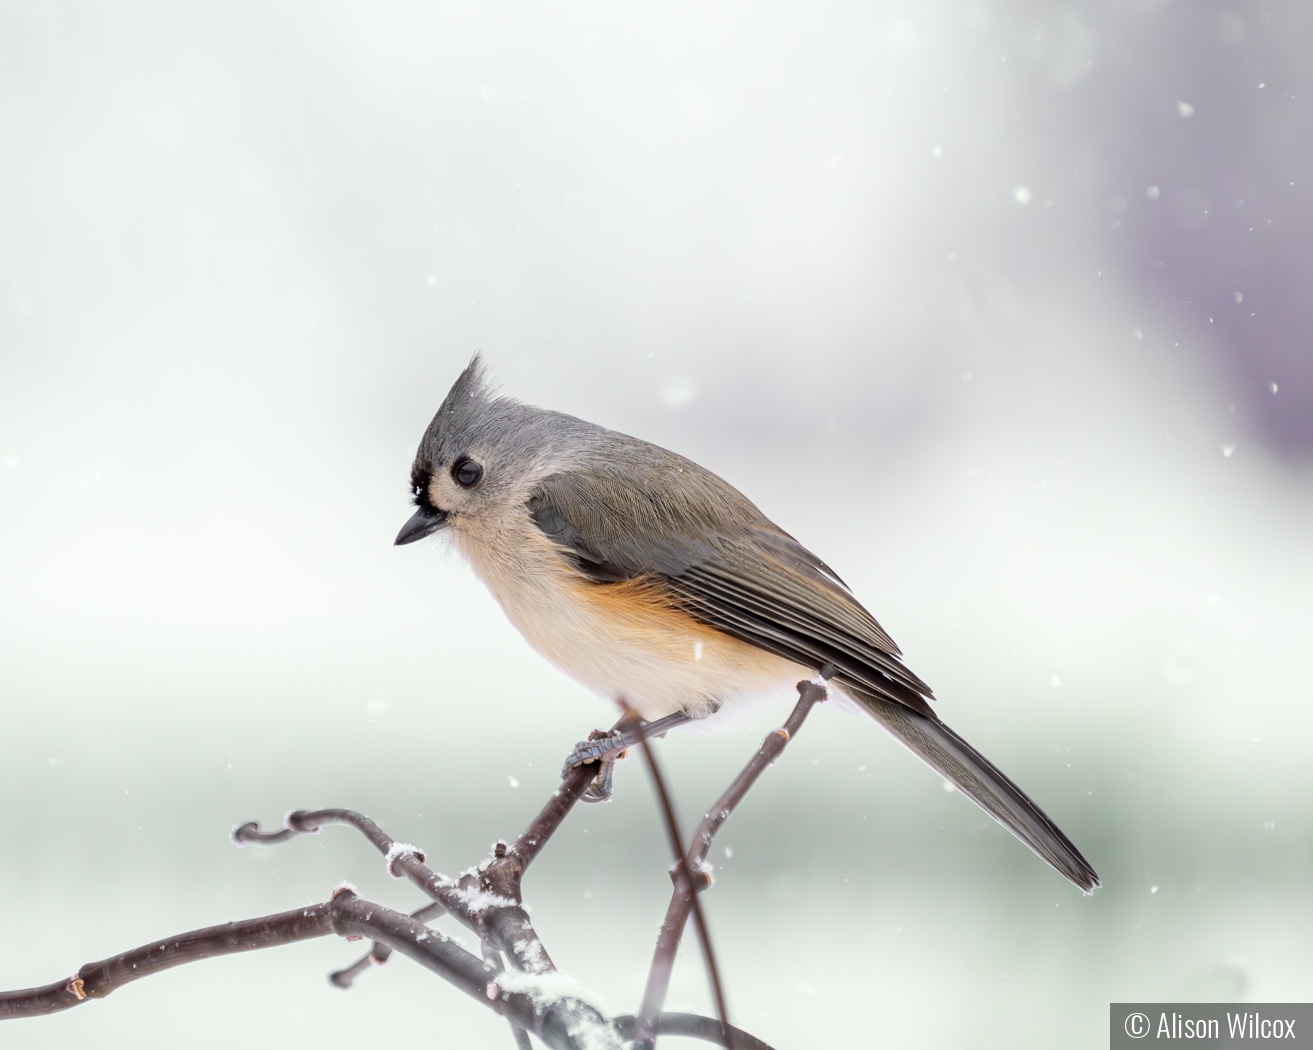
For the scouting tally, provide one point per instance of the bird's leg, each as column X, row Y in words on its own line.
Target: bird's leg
column 605, row 748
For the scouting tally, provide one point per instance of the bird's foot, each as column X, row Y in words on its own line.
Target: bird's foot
column 608, row 747
column 604, row 749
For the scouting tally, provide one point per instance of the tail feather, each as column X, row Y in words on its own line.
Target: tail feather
column 977, row 778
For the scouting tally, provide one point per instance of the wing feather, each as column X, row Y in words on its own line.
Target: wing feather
column 744, row 576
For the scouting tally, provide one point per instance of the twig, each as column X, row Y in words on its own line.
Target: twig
column 521, row 1037
column 560, row 1020
column 529, row 844
column 378, row 953
column 681, row 902
column 485, row 899
column 492, row 961
column 96, row 980
column 692, row 1026
column 682, row 867
column 810, row 693
column 535, row 836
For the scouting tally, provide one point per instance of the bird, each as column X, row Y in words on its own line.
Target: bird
column 658, row 585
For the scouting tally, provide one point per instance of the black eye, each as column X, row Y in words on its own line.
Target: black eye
column 466, row 472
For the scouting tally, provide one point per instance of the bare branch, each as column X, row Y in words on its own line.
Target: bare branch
column 531, row 995
column 558, row 807
column 378, row 954
column 693, row 1026
column 492, row 960
column 577, row 780
column 485, row 899
column 561, row 1020
column 681, row 902
column 810, row 693
column 96, row 980
column 682, row 866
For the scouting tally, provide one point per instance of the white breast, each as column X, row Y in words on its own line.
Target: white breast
column 612, row 639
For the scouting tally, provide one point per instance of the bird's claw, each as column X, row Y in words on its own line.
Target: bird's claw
column 599, row 788
column 603, row 748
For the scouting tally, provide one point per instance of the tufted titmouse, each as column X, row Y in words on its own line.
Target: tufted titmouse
column 656, row 584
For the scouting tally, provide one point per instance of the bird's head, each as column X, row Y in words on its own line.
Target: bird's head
column 477, row 459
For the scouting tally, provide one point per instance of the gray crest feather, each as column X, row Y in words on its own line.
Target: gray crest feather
column 467, row 396
column 468, row 414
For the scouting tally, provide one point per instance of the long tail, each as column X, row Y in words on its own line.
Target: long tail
column 977, row 778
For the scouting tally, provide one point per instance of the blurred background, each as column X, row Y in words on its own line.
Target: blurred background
column 1001, row 307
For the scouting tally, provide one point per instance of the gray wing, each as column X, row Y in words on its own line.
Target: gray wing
column 723, row 562
column 745, row 577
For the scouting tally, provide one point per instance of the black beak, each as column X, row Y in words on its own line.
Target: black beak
column 424, row 522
